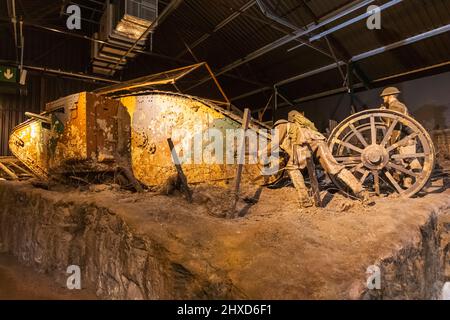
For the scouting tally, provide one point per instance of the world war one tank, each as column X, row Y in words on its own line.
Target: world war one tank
column 125, row 128
column 79, row 134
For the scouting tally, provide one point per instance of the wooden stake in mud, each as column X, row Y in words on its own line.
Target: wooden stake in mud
column 314, row 181
column 184, row 183
column 240, row 166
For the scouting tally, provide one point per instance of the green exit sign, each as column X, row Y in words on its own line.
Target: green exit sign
column 8, row 74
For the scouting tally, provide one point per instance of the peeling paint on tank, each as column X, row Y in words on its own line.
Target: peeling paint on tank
column 160, row 115
column 94, row 133
column 87, row 134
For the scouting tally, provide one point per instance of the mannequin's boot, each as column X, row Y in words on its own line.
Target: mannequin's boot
column 349, row 179
column 299, row 183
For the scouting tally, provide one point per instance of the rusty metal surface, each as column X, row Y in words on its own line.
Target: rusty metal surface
column 128, row 125
column 132, row 27
column 87, row 133
column 171, row 80
column 390, row 152
column 28, row 142
column 157, row 116
column 91, row 133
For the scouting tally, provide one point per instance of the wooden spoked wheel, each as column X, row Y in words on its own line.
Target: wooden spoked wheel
column 389, row 152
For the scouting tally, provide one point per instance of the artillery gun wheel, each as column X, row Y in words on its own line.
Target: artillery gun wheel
column 389, row 152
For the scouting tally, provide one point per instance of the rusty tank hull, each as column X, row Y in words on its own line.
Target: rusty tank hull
column 92, row 133
column 76, row 134
column 156, row 116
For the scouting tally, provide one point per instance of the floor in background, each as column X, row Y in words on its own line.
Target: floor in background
column 22, row 283
column 152, row 246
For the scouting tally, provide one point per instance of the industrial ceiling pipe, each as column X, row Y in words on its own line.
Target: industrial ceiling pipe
column 272, row 16
column 360, row 85
column 70, row 74
column 151, row 54
column 286, row 39
column 372, row 53
column 84, row 37
column 172, row 6
column 219, row 26
column 354, row 20
column 360, row 57
column 402, row 43
column 13, row 18
column 22, row 45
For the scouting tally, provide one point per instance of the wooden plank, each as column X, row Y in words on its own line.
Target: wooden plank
column 314, row 181
column 376, row 179
column 373, row 130
column 261, row 114
column 8, row 159
column 388, row 134
column 15, row 165
column 184, row 183
column 11, row 174
column 408, row 156
column 349, row 146
column 240, row 165
column 358, row 135
column 394, row 182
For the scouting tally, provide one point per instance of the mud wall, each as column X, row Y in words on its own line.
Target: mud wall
column 419, row 270
column 51, row 231
column 195, row 127
column 441, row 139
column 50, row 235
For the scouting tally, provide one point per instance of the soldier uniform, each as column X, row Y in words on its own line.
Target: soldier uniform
column 298, row 137
column 391, row 102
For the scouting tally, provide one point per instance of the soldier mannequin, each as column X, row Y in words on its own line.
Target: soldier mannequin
column 298, row 137
column 391, row 102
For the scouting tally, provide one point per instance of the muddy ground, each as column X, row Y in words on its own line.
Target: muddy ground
column 18, row 282
column 275, row 250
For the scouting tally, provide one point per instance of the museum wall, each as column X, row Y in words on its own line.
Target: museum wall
column 428, row 100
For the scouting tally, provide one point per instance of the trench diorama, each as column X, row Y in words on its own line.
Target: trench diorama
column 129, row 133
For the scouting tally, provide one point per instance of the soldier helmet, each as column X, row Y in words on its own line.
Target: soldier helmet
column 390, row 91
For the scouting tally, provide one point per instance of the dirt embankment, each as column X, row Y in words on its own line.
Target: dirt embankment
column 18, row 282
column 157, row 247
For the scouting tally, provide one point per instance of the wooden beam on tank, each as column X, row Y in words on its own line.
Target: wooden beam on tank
column 11, row 174
column 181, row 176
column 240, row 165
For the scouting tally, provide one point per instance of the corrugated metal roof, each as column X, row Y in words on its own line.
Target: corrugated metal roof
column 228, row 35
column 251, row 31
